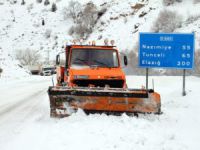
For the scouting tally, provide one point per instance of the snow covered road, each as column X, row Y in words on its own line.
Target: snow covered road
column 25, row 122
column 20, row 103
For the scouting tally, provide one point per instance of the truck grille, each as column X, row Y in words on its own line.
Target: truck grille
column 100, row 83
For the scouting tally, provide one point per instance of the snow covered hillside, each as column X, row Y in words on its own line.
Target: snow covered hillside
column 11, row 68
column 25, row 122
column 22, row 28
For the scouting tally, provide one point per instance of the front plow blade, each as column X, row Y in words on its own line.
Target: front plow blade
column 65, row 100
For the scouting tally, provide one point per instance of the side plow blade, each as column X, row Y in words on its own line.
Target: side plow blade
column 64, row 100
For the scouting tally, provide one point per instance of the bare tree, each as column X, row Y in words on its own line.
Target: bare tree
column 73, row 10
column 90, row 15
column 28, row 57
column 167, row 21
column 84, row 18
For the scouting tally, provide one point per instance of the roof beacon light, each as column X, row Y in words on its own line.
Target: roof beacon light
column 81, row 41
column 112, row 42
column 106, row 42
column 74, row 42
column 93, row 43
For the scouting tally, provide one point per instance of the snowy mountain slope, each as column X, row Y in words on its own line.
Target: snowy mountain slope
column 21, row 29
column 123, row 22
column 21, row 25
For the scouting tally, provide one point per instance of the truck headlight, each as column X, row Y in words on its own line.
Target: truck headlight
column 81, row 77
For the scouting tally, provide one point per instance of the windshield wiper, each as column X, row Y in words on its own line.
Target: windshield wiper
column 81, row 60
column 102, row 63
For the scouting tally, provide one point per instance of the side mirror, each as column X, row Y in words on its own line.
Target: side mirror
column 125, row 61
column 57, row 59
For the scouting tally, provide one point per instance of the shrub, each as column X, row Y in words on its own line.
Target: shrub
column 39, row 1
column 167, row 21
column 53, row 7
column 80, row 31
column 170, row 2
column 101, row 12
column 1, row 70
column 23, row 2
column 71, row 30
column 30, row 7
column 12, row 1
column 46, row 2
column 196, row 1
column 47, row 33
column 43, row 22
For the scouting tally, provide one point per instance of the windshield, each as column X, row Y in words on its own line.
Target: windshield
column 94, row 58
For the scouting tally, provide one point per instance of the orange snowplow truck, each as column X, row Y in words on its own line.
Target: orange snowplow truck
column 91, row 78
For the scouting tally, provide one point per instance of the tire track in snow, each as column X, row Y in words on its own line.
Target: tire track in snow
column 24, row 101
column 15, row 118
column 19, row 90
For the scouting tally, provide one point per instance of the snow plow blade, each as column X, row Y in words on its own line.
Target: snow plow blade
column 65, row 100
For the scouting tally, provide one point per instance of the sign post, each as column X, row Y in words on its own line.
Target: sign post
column 165, row 50
column 147, row 78
column 184, row 92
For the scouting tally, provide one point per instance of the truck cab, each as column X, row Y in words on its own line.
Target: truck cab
column 89, row 65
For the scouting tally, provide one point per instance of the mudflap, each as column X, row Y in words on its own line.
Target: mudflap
column 65, row 100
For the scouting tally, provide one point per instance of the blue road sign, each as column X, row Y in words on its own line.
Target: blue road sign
column 164, row 50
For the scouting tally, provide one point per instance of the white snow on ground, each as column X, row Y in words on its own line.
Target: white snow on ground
column 25, row 122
